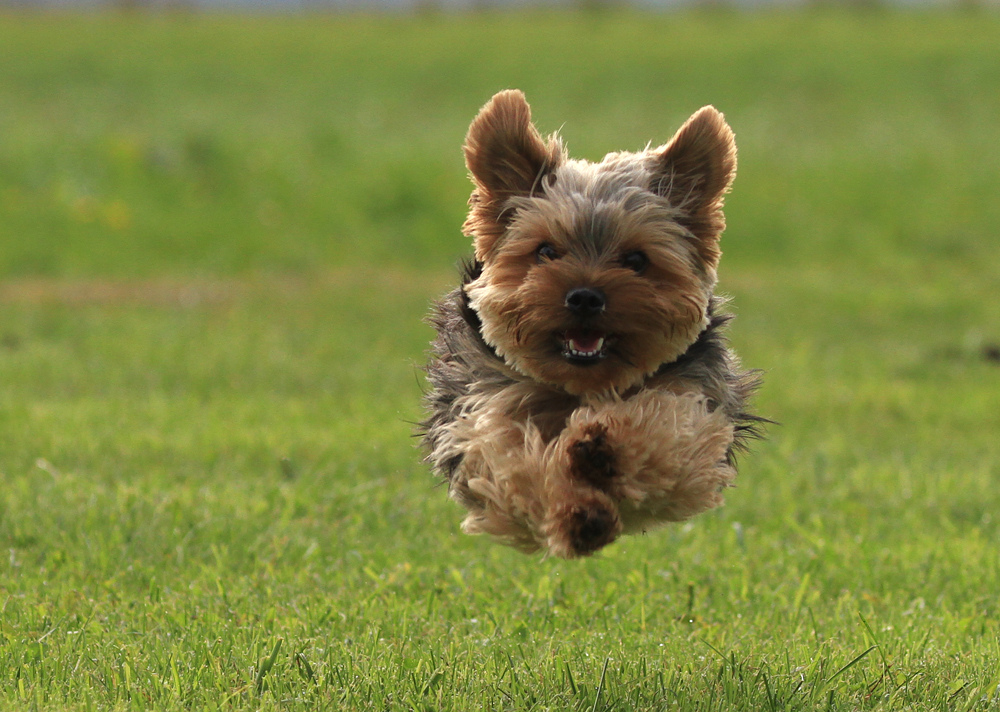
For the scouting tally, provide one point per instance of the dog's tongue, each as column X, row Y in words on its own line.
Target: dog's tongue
column 584, row 340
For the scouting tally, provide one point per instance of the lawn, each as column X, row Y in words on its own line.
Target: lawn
column 219, row 235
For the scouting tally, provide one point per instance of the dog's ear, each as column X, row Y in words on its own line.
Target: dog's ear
column 506, row 157
column 694, row 171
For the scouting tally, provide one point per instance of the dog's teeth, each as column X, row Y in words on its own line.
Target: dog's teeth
column 575, row 350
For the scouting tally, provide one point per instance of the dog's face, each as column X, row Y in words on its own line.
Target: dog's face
column 593, row 275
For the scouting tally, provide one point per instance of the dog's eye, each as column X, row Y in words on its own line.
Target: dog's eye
column 635, row 261
column 546, row 252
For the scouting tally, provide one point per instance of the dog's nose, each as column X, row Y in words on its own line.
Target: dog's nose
column 586, row 301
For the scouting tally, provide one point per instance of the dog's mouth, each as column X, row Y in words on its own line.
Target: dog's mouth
column 585, row 346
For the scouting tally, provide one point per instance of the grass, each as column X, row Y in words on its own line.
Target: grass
column 219, row 235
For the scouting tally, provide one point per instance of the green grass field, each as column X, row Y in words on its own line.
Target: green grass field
column 218, row 236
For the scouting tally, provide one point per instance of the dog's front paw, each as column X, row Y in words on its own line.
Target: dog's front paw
column 581, row 527
column 591, row 458
column 592, row 528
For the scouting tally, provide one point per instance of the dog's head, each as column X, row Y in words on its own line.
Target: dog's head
column 593, row 274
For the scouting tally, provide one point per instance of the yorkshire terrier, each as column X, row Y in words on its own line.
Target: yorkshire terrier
column 580, row 384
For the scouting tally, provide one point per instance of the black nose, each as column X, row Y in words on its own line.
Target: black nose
column 586, row 301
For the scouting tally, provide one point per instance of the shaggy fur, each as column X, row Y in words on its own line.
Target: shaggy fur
column 581, row 387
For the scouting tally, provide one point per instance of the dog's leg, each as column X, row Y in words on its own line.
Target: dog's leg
column 581, row 517
column 501, row 482
column 659, row 456
column 517, row 491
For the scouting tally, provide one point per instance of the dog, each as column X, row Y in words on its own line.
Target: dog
column 580, row 384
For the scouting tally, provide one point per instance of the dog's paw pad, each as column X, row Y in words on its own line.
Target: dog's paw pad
column 592, row 458
column 591, row 528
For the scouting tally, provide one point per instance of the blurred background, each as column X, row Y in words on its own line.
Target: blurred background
column 255, row 210
column 221, row 224
column 430, row 5
column 240, row 205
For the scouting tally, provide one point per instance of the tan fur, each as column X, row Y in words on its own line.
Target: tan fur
column 670, row 455
column 552, row 448
column 506, row 157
